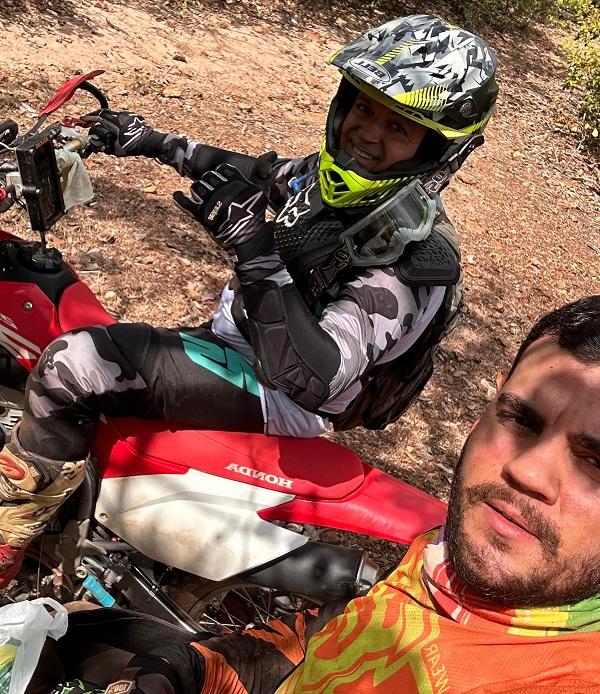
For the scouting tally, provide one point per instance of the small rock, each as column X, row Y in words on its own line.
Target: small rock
column 466, row 178
column 424, row 454
column 488, row 389
column 96, row 254
column 180, row 58
column 110, row 295
column 172, row 91
column 331, row 536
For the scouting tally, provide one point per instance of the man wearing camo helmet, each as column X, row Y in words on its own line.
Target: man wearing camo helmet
column 338, row 303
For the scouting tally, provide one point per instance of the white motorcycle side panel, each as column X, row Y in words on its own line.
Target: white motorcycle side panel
column 197, row 522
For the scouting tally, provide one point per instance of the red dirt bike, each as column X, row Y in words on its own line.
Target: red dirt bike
column 206, row 529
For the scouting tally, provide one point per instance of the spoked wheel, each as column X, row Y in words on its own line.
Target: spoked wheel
column 232, row 608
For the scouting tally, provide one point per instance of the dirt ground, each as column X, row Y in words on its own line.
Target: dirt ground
column 253, row 77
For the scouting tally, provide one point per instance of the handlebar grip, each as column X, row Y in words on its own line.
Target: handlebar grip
column 8, row 131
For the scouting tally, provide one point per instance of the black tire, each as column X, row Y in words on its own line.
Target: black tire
column 224, row 608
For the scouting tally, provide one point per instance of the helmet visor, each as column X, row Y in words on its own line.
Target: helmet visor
column 380, row 237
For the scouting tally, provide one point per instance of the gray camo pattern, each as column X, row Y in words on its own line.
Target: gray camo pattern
column 60, row 373
column 413, row 53
column 373, row 318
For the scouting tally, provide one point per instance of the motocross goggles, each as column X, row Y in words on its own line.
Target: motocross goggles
column 380, row 237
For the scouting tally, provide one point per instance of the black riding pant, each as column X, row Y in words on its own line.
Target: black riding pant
column 132, row 369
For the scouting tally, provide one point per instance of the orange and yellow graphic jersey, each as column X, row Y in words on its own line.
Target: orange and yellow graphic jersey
column 397, row 639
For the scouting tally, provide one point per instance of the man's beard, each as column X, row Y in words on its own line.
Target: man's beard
column 554, row 581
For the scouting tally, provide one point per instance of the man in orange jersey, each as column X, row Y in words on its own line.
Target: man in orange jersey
column 505, row 597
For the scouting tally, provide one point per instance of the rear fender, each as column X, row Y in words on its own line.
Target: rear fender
column 383, row 507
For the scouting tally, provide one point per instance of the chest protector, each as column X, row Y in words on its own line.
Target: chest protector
column 390, row 388
column 307, row 235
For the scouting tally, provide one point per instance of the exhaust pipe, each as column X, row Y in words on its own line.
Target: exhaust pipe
column 319, row 570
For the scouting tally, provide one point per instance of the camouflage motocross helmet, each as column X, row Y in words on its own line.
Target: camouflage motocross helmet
column 424, row 69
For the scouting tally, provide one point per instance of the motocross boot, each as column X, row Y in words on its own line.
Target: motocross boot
column 31, row 490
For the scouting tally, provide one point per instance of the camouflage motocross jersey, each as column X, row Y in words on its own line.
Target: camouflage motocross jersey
column 373, row 317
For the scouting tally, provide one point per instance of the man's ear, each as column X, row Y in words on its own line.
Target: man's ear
column 500, row 379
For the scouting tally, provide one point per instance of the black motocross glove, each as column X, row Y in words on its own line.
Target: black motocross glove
column 229, row 206
column 121, row 133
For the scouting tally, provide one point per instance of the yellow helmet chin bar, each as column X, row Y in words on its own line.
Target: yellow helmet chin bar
column 343, row 188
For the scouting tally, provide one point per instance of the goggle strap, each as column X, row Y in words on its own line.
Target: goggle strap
column 325, row 274
column 438, row 180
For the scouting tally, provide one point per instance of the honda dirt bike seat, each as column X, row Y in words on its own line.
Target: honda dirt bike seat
column 312, row 468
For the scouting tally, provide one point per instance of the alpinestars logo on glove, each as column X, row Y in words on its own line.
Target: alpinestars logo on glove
column 215, row 210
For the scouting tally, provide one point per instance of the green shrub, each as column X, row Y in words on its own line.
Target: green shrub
column 584, row 70
column 504, row 14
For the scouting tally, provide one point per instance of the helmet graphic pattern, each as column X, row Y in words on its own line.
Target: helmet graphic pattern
column 423, row 68
column 426, row 69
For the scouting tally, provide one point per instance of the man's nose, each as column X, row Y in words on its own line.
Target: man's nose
column 372, row 130
column 536, row 470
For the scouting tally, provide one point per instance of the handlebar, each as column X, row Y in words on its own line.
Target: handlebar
column 37, row 182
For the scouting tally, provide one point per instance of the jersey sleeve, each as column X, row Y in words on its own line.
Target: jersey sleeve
column 374, row 319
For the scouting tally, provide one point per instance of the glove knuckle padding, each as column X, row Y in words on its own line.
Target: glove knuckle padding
column 293, row 354
column 213, row 179
column 229, row 171
column 256, row 170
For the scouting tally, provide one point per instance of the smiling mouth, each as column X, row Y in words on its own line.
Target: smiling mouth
column 363, row 154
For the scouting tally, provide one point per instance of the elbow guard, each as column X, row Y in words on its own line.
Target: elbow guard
column 292, row 353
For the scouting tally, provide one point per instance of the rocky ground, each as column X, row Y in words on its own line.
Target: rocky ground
column 254, row 77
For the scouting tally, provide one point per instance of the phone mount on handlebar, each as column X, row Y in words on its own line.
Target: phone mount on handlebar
column 36, row 160
column 40, row 178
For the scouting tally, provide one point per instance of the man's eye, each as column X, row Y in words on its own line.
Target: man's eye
column 517, row 419
column 592, row 460
column 399, row 129
column 362, row 107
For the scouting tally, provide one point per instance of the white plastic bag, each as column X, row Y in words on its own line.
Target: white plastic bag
column 24, row 627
